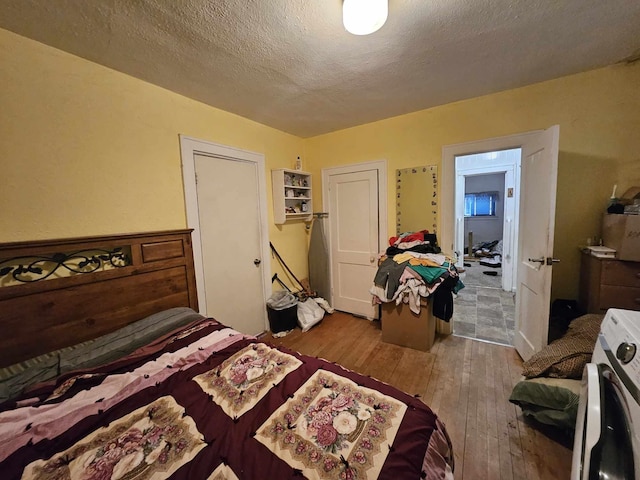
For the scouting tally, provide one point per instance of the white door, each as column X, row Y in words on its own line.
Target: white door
column 535, row 252
column 230, row 237
column 227, row 211
column 354, row 240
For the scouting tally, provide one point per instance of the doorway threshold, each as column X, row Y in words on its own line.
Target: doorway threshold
column 492, row 342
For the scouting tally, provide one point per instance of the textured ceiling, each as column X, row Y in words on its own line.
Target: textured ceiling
column 291, row 65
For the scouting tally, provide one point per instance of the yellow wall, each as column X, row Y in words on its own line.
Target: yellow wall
column 86, row 150
column 599, row 117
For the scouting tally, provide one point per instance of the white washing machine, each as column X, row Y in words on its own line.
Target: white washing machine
column 607, row 437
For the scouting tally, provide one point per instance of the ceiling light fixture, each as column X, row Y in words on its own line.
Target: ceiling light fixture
column 362, row 17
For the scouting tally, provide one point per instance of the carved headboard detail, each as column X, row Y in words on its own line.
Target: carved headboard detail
column 57, row 293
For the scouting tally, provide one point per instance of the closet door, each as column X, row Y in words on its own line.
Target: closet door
column 226, row 206
column 353, row 216
column 230, row 236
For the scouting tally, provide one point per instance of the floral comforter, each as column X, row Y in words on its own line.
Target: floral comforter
column 209, row 403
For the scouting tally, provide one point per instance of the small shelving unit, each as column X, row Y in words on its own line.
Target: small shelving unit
column 292, row 197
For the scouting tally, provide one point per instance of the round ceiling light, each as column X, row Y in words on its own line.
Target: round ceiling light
column 362, row 17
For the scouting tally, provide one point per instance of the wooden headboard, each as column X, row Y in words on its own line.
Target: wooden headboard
column 93, row 286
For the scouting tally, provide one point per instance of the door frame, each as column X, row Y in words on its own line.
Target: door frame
column 189, row 147
column 448, row 188
column 381, row 167
column 510, row 214
column 447, row 181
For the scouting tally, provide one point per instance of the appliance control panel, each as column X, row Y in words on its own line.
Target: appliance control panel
column 621, row 331
column 625, row 352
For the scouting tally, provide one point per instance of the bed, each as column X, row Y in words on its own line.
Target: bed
column 109, row 372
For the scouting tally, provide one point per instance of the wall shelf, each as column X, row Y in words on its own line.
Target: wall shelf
column 292, row 196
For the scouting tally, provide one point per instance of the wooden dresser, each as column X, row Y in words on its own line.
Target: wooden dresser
column 608, row 283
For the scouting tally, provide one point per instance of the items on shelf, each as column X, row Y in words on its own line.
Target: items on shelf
column 614, row 203
column 292, row 197
column 621, row 231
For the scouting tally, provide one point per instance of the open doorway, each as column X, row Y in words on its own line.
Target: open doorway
column 536, row 201
column 486, row 239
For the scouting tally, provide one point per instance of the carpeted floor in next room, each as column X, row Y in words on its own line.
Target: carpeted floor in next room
column 482, row 310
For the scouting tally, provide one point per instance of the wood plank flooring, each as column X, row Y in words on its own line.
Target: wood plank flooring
column 466, row 383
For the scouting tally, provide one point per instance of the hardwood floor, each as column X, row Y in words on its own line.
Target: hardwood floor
column 466, row 383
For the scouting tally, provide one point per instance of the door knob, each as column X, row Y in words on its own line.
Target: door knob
column 257, row 262
column 372, row 259
column 547, row 261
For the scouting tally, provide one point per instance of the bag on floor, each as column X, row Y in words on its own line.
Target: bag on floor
column 281, row 300
column 309, row 313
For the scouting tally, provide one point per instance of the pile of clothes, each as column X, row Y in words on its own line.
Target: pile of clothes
column 490, row 253
column 414, row 267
